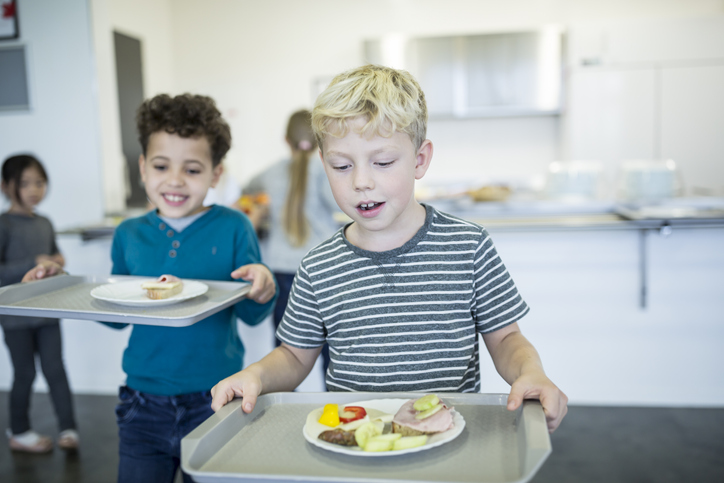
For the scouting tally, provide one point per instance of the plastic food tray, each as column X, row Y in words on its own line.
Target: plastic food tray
column 267, row 445
column 68, row 297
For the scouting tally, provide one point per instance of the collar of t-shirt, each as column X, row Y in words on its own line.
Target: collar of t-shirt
column 180, row 224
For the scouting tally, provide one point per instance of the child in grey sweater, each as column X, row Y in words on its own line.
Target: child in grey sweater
column 27, row 239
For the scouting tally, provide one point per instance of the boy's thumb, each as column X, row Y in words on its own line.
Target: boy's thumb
column 515, row 399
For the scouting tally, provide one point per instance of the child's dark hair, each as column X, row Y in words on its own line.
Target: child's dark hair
column 13, row 168
column 188, row 116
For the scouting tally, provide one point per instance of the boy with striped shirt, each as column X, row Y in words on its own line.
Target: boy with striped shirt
column 401, row 293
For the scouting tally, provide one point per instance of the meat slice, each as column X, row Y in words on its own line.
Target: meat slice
column 404, row 421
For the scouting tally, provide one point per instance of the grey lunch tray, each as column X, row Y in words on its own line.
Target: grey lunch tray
column 68, row 297
column 268, row 446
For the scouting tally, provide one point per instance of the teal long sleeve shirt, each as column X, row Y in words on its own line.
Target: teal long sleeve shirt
column 179, row 360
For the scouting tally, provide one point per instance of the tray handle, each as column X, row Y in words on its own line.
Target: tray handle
column 534, row 441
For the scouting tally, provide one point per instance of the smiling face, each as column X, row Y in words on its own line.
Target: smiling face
column 178, row 172
column 373, row 182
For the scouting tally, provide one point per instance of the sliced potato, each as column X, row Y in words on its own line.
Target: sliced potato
column 378, row 444
column 386, row 437
column 409, row 442
column 365, row 432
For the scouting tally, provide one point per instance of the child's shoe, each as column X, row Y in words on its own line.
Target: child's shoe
column 68, row 439
column 29, row 442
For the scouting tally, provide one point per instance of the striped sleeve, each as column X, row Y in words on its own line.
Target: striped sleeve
column 497, row 302
column 302, row 325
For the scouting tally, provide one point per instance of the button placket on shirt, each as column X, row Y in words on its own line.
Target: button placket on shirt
column 174, row 243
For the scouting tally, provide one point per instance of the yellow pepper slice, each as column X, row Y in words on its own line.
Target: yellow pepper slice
column 330, row 415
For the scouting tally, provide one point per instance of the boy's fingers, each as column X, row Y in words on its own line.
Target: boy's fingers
column 248, row 402
column 34, row 274
column 555, row 407
column 223, row 393
column 239, row 273
column 265, row 293
column 515, row 398
column 219, row 398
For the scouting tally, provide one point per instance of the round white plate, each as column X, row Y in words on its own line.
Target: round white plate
column 131, row 293
column 313, row 428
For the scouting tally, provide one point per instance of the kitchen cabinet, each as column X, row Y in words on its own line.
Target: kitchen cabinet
column 648, row 90
column 485, row 75
column 692, row 116
column 596, row 341
column 610, row 115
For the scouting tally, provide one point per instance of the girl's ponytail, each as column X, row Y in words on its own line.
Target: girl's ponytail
column 303, row 143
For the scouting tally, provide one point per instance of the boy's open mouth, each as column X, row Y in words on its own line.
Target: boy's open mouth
column 173, row 198
column 368, row 206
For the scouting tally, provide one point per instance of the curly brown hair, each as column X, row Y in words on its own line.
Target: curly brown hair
column 188, row 116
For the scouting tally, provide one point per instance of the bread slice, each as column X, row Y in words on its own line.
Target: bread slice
column 407, row 431
column 162, row 290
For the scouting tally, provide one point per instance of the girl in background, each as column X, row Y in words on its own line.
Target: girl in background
column 292, row 206
column 26, row 240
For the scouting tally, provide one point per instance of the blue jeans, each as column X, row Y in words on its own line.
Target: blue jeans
column 151, row 428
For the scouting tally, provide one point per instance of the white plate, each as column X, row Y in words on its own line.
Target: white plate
column 131, row 293
column 313, row 428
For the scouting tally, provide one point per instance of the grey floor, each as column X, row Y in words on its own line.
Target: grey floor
column 594, row 444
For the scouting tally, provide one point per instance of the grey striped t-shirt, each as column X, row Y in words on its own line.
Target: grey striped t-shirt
column 406, row 319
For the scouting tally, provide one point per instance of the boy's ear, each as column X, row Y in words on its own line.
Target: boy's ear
column 218, row 171
column 142, row 166
column 423, row 158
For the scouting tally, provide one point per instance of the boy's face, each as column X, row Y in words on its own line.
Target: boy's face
column 373, row 182
column 178, row 172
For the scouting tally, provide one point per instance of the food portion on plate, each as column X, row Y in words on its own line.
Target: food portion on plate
column 165, row 287
column 165, row 290
column 371, row 430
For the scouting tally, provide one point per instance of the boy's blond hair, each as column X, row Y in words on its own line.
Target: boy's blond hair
column 390, row 100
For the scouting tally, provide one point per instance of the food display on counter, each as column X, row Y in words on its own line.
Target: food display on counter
column 165, row 287
column 490, row 193
column 363, row 427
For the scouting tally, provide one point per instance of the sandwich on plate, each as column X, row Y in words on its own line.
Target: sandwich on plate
column 166, row 286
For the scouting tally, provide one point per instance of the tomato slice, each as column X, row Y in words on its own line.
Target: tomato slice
column 352, row 413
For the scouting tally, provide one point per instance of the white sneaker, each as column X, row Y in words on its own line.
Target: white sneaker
column 29, row 442
column 68, row 439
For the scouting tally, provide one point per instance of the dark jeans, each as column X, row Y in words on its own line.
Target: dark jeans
column 151, row 428
column 285, row 281
column 23, row 344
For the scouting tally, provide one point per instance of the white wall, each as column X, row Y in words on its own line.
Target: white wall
column 61, row 126
column 260, row 60
column 148, row 21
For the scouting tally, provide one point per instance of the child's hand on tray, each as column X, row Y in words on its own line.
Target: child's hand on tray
column 44, row 269
column 263, row 286
column 536, row 385
column 245, row 384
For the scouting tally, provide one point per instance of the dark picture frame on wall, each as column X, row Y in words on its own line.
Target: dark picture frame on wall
column 9, row 20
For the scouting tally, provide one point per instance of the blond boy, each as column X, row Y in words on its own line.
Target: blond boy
column 401, row 293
